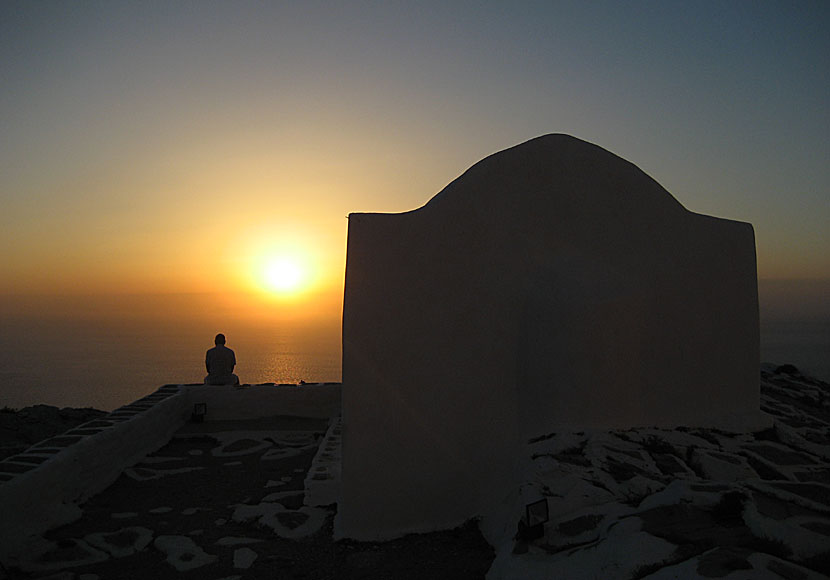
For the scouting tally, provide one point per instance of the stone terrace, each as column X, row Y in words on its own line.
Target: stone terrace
column 239, row 495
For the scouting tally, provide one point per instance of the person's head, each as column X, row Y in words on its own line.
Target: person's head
column 220, row 339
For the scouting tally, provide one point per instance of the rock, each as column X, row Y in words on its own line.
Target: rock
column 21, row 429
column 787, row 369
column 243, row 558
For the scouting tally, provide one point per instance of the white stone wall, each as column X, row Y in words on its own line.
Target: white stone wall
column 49, row 494
column 226, row 402
column 552, row 286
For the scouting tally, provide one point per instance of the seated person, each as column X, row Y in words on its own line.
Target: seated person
column 220, row 361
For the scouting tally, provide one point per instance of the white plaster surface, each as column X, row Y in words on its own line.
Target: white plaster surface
column 268, row 514
column 183, row 553
column 254, row 401
column 113, row 542
column 278, row 495
column 49, row 495
column 322, row 482
column 553, row 286
column 243, row 558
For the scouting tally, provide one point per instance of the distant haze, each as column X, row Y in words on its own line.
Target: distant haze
column 794, row 300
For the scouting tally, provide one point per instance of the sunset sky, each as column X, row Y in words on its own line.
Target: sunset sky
column 165, row 147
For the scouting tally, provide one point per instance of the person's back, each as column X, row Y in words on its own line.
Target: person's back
column 219, row 362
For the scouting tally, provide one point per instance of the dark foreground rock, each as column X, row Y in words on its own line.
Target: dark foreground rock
column 20, row 429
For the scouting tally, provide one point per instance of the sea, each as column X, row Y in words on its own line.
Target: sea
column 804, row 343
column 108, row 363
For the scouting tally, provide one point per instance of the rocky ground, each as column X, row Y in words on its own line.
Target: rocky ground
column 688, row 503
column 20, row 429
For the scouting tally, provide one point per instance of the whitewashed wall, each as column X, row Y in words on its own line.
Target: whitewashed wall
column 50, row 494
column 552, row 286
column 226, row 402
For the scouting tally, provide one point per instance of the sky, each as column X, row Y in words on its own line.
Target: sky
column 184, row 147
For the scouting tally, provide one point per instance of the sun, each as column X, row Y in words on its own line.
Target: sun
column 284, row 275
column 281, row 266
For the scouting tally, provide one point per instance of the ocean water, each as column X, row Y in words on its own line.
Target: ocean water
column 106, row 364
column 72, row 363
column 802, row 342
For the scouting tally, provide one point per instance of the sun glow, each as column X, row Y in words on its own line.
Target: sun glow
column 282, row 264
column 283, row 275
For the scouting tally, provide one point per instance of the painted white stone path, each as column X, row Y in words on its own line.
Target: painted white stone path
column 186, row 550
column 183, row 553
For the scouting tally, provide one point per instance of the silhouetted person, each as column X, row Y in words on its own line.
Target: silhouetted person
column 220, row 361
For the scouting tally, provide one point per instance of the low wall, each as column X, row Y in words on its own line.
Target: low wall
column 44, row 486
column 317, row 400
column 322, row 482
column 51, row 479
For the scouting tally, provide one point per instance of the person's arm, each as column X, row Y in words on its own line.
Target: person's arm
column 233, row 360
column 207, row 361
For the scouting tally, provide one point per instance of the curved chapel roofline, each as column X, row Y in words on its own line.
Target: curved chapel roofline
column 557, row 162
